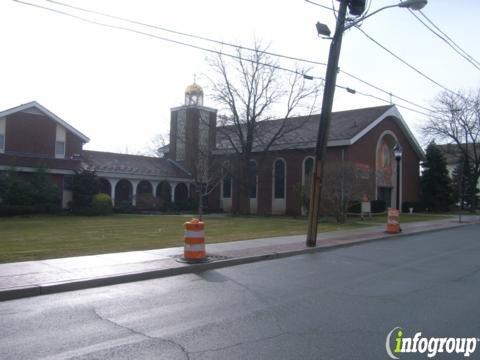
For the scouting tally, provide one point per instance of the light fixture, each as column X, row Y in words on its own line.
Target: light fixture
column 413, row 4
column 322, row 29
column 397, row 152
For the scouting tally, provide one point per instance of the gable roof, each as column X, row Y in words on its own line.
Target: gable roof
column 33, row 105
column 133, row 164
column 346, row 128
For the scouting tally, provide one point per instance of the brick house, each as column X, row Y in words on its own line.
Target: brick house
column 32, row 136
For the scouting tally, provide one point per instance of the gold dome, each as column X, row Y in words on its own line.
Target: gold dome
column 193, row 89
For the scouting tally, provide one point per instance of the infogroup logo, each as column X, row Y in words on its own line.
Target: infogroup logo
column 397, row 343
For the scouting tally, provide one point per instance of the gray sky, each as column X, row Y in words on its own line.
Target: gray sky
column 118, row 87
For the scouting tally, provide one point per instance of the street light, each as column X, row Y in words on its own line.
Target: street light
column 409, row 4
column 328, row 95
column 397, row 152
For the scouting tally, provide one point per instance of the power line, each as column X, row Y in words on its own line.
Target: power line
column 459, row 52
column 449, row 38
column 118, row 27
column 319, row 5
column 238, row 46
column 176, row 31
column 404, row 62
column 215, row 52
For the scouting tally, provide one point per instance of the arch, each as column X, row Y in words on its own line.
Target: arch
column 279, row 186
column 164, row 194
column 123, row 193
column 105, row 187
column 144, row 195
column 181, row 192
column 386, row 170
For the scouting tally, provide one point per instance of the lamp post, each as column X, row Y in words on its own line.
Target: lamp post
column 397, row 152
column 328, row 95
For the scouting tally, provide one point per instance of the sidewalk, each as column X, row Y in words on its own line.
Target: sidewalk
column 32, row 278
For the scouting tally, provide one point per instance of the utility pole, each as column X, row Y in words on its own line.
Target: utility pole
column 324, row 126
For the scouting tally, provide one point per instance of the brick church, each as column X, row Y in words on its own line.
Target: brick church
column 32, row 136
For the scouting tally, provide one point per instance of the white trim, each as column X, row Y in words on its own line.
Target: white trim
column 34, row 104
column 391, row 112
column 119, row 175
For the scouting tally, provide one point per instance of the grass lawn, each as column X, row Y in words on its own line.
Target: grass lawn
column 43, row 236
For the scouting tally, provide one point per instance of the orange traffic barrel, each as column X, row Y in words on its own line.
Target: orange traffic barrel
column 393, row 221
column 194, row 249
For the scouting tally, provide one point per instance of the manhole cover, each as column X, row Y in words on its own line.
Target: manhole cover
column 209, row 258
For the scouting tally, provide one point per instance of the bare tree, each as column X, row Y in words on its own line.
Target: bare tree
column 343, row 183
column 156, row 146
column 251, row 88
column 456, row 120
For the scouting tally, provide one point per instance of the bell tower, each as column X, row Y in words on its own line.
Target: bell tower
column 192, row 130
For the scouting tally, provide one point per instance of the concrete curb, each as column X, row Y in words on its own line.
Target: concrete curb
column 80, row 284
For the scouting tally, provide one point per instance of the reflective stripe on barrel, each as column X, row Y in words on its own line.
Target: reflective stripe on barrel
column 194, row 248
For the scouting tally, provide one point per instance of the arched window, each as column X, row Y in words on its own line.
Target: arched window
column 386, row 155
column 279, row 179
column 252, row 179
column 227, row 182
column 307, row 172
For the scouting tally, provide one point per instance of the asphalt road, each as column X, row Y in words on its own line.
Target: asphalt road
column 338, row 304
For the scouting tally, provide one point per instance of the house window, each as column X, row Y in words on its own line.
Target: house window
column 252, row 179
column 227, row 183
column 2, row 143
column 59, row 148
column 60, row 139
column 279, row 179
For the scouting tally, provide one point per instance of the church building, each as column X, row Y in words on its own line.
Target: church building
column 32, row 136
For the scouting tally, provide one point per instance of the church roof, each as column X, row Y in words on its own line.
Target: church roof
column 132, row 165
column 300, row 132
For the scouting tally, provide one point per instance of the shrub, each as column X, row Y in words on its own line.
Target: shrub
column 355, row 207
column 416, row 205
column 85, row 186
column 15, row 210
column 102, row 204
column 378, row 206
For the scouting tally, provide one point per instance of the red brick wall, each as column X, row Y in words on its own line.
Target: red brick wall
column 30, row 134
column 363, row 151
column 35, row 135
column 73, row 146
